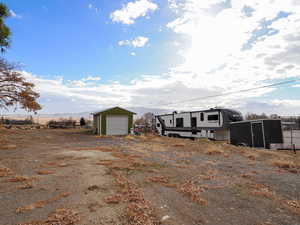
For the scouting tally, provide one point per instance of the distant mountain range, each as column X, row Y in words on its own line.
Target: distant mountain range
column 138, row 110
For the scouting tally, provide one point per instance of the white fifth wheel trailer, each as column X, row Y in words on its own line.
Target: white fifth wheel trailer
column 213, row 123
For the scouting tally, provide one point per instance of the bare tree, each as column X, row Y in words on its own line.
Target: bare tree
column 253, row 116
column 15, row 91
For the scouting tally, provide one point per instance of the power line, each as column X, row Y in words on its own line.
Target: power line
column 234, row 92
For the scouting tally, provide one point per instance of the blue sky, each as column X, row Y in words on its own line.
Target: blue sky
column 75, row 40
column 89, row 54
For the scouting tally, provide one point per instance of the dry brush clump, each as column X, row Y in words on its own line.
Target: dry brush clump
column 61, row 216
column 21, row 179
column 190, row 189
column 138, row 210
column 262, row 191
column 45, row 172
column 283, row 163
column 214, row 150
column 26, row 185
column 4, row 172
column 99, row 148
column 293, row 205
column 42, row 204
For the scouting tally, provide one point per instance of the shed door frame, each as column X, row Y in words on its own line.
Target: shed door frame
column 263, row 133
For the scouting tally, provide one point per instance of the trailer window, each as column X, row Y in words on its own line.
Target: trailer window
column 179, row 122
column 213, row 117
column 158, row 125
column 202, row 116
column 194, row 122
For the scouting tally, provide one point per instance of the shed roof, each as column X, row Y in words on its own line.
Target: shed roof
column 112, row 108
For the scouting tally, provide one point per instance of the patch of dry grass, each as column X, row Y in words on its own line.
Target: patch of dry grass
column 4, row 172
column 253, row 156
column 42, row 204
column 138, row 210
column 26, row 185
column 293, row 205
column 190, row 189
column 283, row 163
column 213, row 150
column 54, row 164
column 61, row 216
column 159, row 179
column 99, row 148
column 261, row 190
column 45, row 172
column 21, row 179
column 113, row 199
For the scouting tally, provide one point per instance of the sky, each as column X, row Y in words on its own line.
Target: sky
column 85, row 55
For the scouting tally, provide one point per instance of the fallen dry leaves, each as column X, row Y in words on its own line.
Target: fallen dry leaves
column 190, row 189
column 59, row 217
column 21, row 179
column 138, row 210
column 4, row 172
column 42, row 204
column 45, row 172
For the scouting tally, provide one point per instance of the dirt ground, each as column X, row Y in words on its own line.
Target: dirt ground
column 65, row 177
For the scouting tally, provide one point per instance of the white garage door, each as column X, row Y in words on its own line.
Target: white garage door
column 117, row 125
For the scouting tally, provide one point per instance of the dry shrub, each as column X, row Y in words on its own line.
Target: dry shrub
column 99, row 148
column 262, row 190
column 130, row 137
column 294, row 205
column 252, row 156
column 113, row 199
column 42, row 204
column 284, row 164
column 54, row 164
column 246, row 175
column 45, row 172
column 213, row 150
column 26, row 185
column 138, row 210
column 178, row 145
column 4, row 172
column 159, row 179
column 20, row 179
column 93, row 206
column 124, row 163
column 190, row 189
column 59, row 217
column 8, row 146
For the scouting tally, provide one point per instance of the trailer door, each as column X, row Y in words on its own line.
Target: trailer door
column 258, row 135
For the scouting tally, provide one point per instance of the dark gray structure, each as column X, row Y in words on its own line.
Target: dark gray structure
column 256, row 133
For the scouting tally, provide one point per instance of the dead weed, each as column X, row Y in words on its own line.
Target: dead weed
column 190, row 189
column 21, row 179
column 284, row 164
column 138, row 210
column 4, row 172
column 42, row 204
column 45, row 172
column 261, row 190
column 59, row 217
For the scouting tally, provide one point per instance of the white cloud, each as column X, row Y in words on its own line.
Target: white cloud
column 132, row 11
column 13, row 14
column 137, row 42
column 215, row 62
column 91, row 78
column 133, row 54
